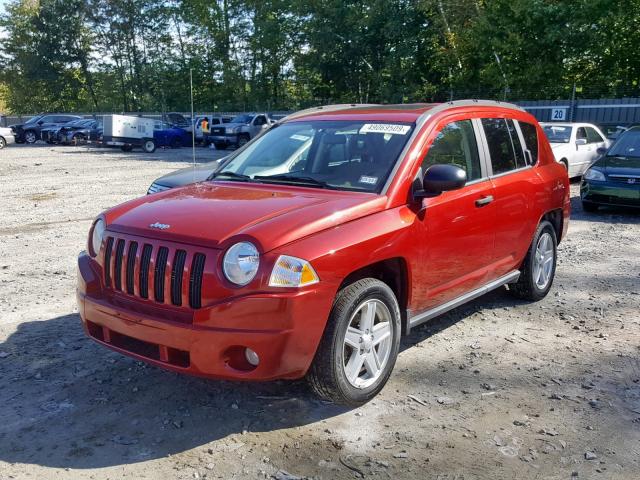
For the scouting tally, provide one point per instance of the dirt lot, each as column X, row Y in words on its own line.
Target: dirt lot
column 498, row 389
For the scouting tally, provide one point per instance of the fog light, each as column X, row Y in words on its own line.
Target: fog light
column 252, row 357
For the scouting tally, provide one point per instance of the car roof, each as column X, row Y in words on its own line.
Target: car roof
column 567, row 124
column 405, row 112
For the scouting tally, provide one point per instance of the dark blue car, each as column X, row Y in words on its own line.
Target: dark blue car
column 614, row 179
column 167, row 135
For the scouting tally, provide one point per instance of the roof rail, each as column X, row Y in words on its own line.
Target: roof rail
column 325, row 108
column 469, row 103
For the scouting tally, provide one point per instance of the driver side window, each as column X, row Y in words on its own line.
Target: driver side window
column 455, row 145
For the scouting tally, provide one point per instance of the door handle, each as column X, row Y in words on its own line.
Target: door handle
column 481, row 202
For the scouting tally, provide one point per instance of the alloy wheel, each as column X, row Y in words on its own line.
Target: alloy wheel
column 30, row 137
column 543, row 261
column 367, row 343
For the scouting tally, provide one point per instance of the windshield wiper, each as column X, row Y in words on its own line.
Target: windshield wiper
column 298, row 180
column 231, row 176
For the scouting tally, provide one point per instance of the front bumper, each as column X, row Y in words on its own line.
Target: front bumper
column 609, row 193
column 284, row 329
column 224, row 139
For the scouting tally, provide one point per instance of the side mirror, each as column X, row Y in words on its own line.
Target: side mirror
column 40, row 122
column 581, row 141
column 441, row 178
column 601, row 150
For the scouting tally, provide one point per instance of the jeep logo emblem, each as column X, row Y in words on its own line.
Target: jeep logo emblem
column 161, row 226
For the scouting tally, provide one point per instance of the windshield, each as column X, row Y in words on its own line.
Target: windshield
column 242, row 119
column 627, row 145
column 345, row 155
column 557, row 133
column 34, row 119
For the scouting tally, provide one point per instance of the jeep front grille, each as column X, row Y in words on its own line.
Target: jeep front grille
column 140, row 269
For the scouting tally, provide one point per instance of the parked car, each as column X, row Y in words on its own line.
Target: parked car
column 167, row 135
column 78, row 132
column 395, row 215
column 240, row 130
column 184, row 176
column 614, row 179
column 29, row 132
column 575, row 145
column 6, row 137
column 178, row 120
column 213, row 121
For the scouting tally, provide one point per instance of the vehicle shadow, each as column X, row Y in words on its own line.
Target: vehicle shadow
column 68, row 402
column 605, row 214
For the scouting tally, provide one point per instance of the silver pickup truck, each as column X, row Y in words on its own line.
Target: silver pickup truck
column 240, row 130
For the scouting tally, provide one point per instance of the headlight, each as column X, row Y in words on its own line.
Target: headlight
column 292, row 272
column 594, row 175
column 240, row 263
column 96, row 237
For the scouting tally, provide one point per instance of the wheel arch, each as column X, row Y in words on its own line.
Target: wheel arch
column 391, row 271
column 556, row 218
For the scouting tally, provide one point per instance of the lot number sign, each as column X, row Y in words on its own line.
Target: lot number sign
column 558, row 114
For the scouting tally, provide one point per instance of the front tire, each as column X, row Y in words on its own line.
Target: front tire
column 30, row 137
column 539, row 267
column 243, row 140
column 3, row 143
column 360, row 344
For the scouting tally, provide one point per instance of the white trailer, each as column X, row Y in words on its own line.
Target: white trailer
column 127, row 132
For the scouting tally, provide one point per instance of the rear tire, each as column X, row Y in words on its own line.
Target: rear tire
column 589, row 207
column 351, row 369
column 539, row 267
column 3, row 143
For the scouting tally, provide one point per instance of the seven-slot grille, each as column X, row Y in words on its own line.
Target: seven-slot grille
column 139, row 269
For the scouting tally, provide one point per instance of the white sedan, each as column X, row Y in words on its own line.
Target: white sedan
column 6, row 137
column 575, row 145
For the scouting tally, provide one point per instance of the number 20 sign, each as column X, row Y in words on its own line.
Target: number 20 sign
column 558, row 114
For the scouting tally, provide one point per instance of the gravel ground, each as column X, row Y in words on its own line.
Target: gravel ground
column 497, row 389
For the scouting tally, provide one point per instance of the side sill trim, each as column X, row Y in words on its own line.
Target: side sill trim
column 416, row 320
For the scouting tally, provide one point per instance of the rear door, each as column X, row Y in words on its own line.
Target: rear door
column 457, row 226
column 515, row 183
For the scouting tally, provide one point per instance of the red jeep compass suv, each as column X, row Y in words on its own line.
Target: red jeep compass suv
column 312, row 249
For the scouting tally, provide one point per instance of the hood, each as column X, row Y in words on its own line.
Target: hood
column 218, row 214
column 619, row 165
column 188, row 175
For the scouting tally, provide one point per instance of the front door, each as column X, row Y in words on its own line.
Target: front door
column 457, row 226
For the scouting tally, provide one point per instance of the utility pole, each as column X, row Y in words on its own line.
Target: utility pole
column 193, row 126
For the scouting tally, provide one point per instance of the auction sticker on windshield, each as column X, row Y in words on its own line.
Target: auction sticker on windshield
column 385, row 128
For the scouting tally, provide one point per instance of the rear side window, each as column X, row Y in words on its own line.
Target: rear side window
column 455, row 145
column 593, row 136
column 504, row 145
column 530, row 134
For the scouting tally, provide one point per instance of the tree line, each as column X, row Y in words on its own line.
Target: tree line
column 136, row 55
